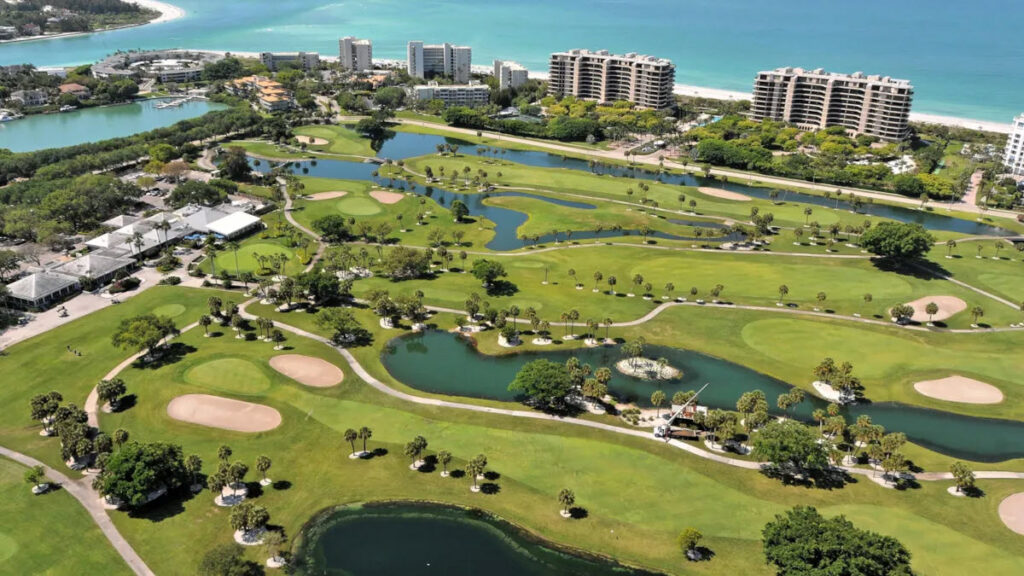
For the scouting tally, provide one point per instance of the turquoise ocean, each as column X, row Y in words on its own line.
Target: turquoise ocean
column 965, row 59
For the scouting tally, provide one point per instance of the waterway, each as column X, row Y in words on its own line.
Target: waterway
column 443, row 363
column 435, row 539
column 402, row 145
column 40, row 131
column 971, row 67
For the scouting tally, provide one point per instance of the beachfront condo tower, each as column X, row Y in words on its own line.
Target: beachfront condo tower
column 510, row 74
column 1013, row 155
column 814, row 99
column 644, row 80
column 429, row 60
column 355, row 54
column 303, row 60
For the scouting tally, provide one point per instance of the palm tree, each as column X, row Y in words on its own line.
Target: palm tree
column 205, row 322
column 566, row 498
column 215, row 305
column 821, row 297
column 444, row 458
column 977, row 312
column 163, row 226
column 607, row 325
column 807, row 215
column 658, row 398
column 572, row 274
column 819, row 417
column 351, row 436
column 210, row 250
column 783, row 291
column 364, row 435
column 262, row 465
column 950, row 244
column 611, row 284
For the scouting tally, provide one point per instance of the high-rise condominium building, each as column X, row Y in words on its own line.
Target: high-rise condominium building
column 453, row 94
column 813, row 99
column 355, row 54
column 1013, row 154
column 644, row 80
column 510, row 74
column 304, row 60
column 425, row 60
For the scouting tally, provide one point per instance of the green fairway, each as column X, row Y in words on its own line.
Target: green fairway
column 340, row 140
column 49, row 534
column 231, row 375
column 356, row 206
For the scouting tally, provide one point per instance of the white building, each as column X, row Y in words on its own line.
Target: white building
column 1013, row 154
column 355, row 54
column 644, row 80
column 429, row 60
column 305, row 60
column 510, row 74
column 453, row 94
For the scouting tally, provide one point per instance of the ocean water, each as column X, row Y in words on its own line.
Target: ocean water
column 965, row 59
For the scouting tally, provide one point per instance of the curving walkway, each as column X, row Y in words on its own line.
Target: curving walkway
column 90, row 500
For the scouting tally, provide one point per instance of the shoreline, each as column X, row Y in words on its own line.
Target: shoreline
column 167, row 12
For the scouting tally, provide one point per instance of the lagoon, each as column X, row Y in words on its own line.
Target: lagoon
column 41, row 131
column 964, row 61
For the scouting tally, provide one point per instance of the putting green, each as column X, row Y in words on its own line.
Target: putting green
column 358, row 206
column 169, row 310
column 231, row 375
column 8, row 547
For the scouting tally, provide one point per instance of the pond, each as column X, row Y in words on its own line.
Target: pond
column 406, row 145
column 506, row 221
column 443, row 363
column 414, row 539
column 41, row 131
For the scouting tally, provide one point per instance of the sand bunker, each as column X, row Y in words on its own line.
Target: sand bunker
column 960, row 389
column 1011, row 512
column 724, row 194
column 307, row 370
column 386, row 197
column 223, row 413
column 948, row 305
column 327, row 195
column 311, row 140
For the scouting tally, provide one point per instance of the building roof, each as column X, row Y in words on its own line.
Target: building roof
column 233, row 224
column 199, row 218
column 108, row 240
column 121, row 220
column 93, row 266
column 72, row 87
column 40, row 285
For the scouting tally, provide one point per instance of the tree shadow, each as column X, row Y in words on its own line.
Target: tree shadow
column 489, row 488
column 429, row 465
column 973, row 492
column 377, row 453
column 125, row 402
column 491, row 475
column 916, row 268
column 704, row 554
column 170, row 354
column 502, row 288
column 162, row 509
column 457, row 473
column 578, row 513
column 281, row 485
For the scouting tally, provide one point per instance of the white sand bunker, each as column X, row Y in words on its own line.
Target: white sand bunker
column 1011, row 512
column 307, row 370
column 223, row 413
column 724, row 194
column 960, row 389
column 948, row 305
column 327, row 195
column 386, row 197
column 311, row 140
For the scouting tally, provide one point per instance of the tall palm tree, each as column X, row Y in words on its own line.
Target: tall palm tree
column 783, row 291
column 566, row 498
column 444, row 458
column 364, row 435
column 607, row 325
column 976, row 313
column 205, row 322
column 163, row 226
column 233, row 247
column 351, row 436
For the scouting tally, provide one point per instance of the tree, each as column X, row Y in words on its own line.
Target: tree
column 476, row 468
column 566, row 498
column 783, row 291
column 35, row 476
column 657, row 399
column 364, row 435
column 224, row 453
column 931, row 309
column 414, row 449
column 234, row 164
column 688, row 540
column 44, row 407
column 137, row 470
column 790, row 447
column 226, row 560
column 543, row 384
column 205, row 322
column 110, row 391
column 249, row 518
column 193, row 466
column 263, row 464
column 976, row 313
column 143, row 333
column 402, row 263
column 196, row 192
column 459, row 210
column 345, row 328
column 487, row 271
column 350, row 437
column 790, row 399
column 897, row 241
column 802, row 542
column 120, row 437
column 444, row 458
column 963, row 476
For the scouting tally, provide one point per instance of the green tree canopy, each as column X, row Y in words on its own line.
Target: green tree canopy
column 487, row 271
column 543, row 384
column 791, row 448
column 135, row 470
column 143, row 332
column 897, row 240
column 403, row 263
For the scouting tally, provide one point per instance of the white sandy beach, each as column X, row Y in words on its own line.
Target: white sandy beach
column 167, row 11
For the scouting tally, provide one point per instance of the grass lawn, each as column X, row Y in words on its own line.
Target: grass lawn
column 268, row 150
column 340, row 140
column 534, row 459
column 277, row 238
column 49, row 534
column 1003, row 277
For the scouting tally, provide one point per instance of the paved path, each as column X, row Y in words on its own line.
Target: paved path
column 321, row 245
column 90, row 500
column 358, row 369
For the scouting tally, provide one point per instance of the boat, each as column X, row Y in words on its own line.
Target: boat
column 68, row 108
